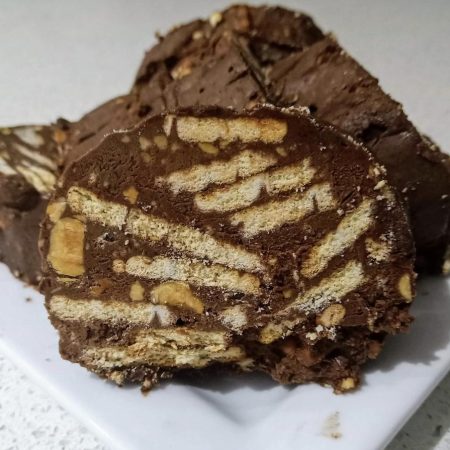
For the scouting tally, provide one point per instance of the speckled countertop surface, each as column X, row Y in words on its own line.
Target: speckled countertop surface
column 31, row 419
column 62, row 45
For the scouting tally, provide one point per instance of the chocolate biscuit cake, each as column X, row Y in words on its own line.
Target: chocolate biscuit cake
column 261, row 240
column 248, row 55
column 29, row 159
column 245, row 56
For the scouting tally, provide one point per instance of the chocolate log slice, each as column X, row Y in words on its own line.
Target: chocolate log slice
column 29, row 159
column 247, row 55
column 260, row 241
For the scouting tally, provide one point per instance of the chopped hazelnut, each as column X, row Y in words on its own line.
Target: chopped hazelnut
column 137, row 292
column 131, row 194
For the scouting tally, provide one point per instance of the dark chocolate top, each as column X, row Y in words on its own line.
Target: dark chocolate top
column 87, row 133
column 248, row 55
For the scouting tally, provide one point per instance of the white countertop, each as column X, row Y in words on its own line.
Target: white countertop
column 31, row 419
column 47, row 71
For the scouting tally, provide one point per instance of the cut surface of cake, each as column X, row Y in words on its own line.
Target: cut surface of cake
column 260, row 240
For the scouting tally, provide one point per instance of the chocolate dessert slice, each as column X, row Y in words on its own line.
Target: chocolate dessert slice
column 261, row 240
column 29, row 160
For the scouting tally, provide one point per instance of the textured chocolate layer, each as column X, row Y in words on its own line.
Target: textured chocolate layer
column 248, row 55
column 32, row 158
column 167, row 250
column 85, row 134
column 29, row 159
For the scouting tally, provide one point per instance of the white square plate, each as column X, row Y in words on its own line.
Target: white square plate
column 238, row 412
column 63, row 58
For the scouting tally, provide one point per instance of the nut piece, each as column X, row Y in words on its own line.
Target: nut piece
column 144, row 143
column 196, row 35
column 208, row 148
column 312, row 336
column 176, row 293
column 446, row 266
column 331, row 316
column 374, row 171
column 131, row 194
column 404, row 287
column 379, row 185
column 66, row 252
column 100, row 286
column 182, row 69
column 161, row 141
column 215, row 18
column 117, row 377
column 137, row 292
column 288, row 293
column 56, row 209
column 348, row 384
column 59, row 136
column 118, row 266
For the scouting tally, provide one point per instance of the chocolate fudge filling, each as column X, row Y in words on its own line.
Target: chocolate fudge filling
column 261, row 240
